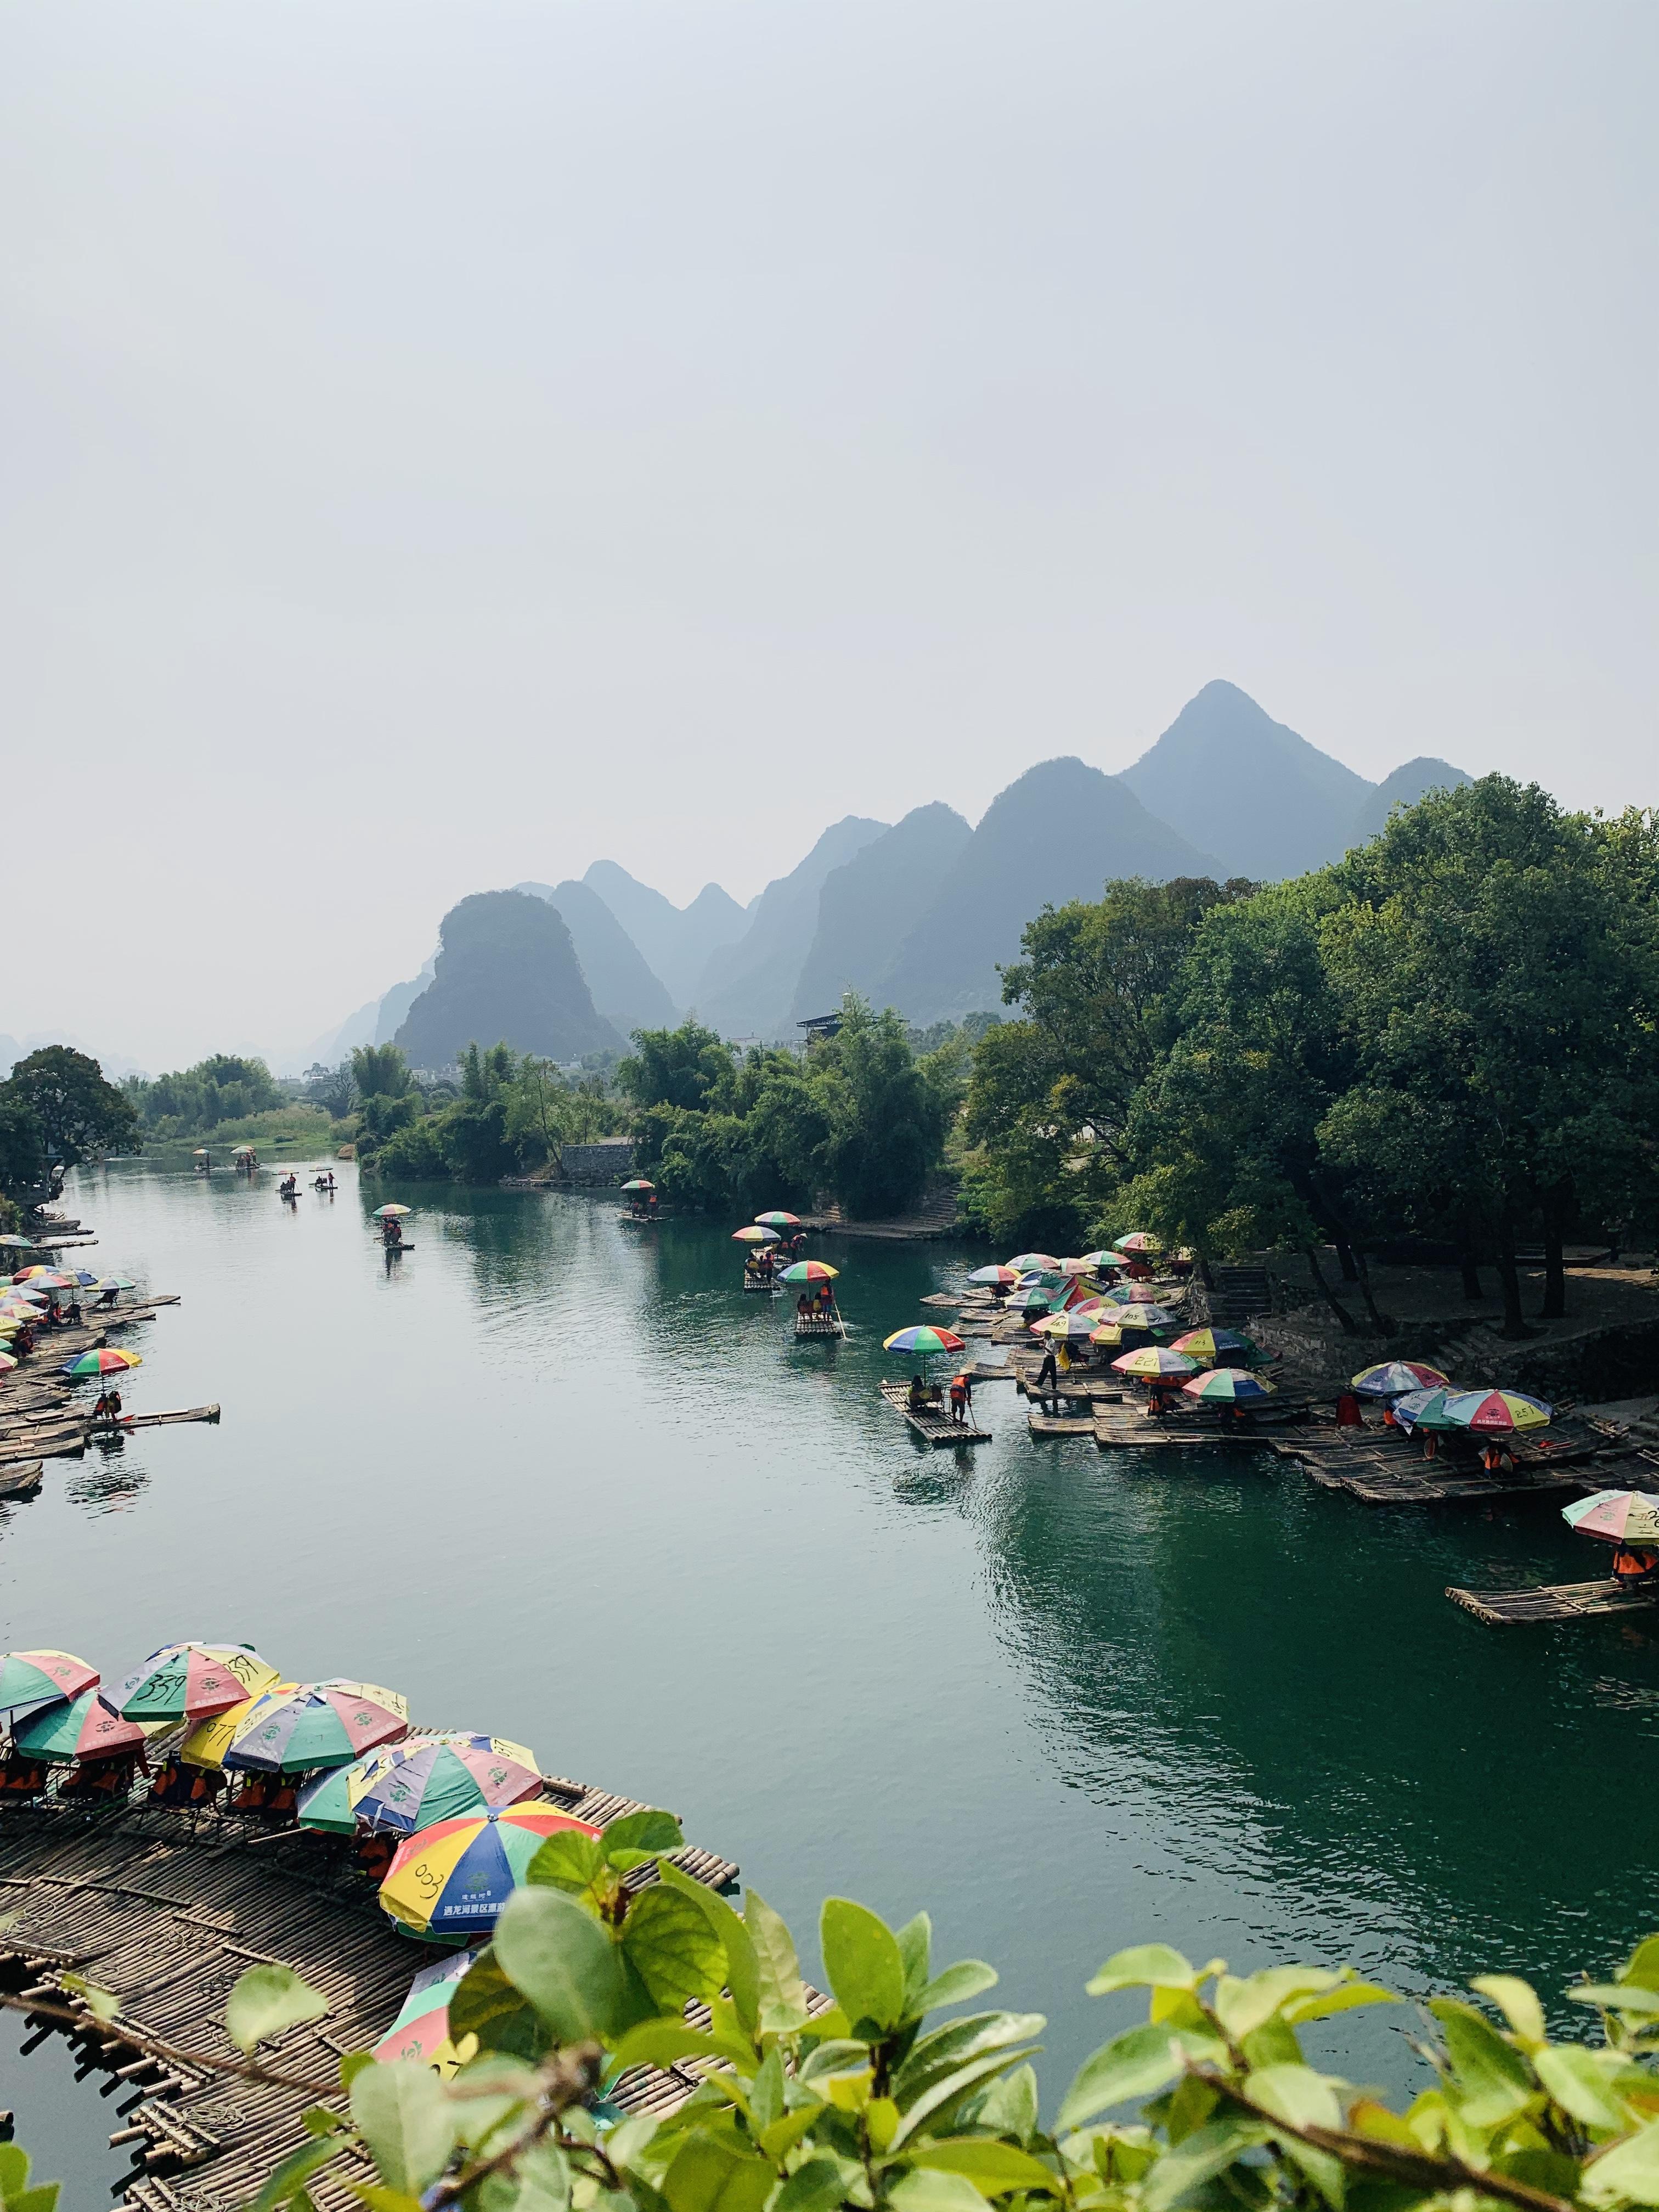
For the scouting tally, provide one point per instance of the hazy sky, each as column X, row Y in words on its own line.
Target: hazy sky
column 446, row 444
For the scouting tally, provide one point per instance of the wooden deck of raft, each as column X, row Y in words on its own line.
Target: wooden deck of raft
column 168, row 1920
column 1553, row 1602
column 933, row 1428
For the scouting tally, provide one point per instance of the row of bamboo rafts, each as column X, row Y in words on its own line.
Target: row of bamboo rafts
column 45, row 1415
column 166, row 1913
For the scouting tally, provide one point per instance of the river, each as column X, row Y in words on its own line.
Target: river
column 556, row 1477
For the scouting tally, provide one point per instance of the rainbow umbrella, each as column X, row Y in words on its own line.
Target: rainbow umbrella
column 1101, row 1259
column 105, row 1361
column 318, row 1724
column 1228, row 1386
column 1422, row 1409
column 209, row 1740
column 1623, row 1517
column 1496, row 1411
column 1395, row 1377
column 81, row 1727
column 331, row 1803
column 1212, row 1345
column 48, row 1279
column 1043, row 1262
column 32, row 1274
column 112, row 1283
column 809, row 1271
column 420, row 2031
column 421, row 1784
column 1107, row 1332
column 1142, row 1316
column 1153, row 1360
column 752, row 1233
column 999, row 1278
column 1139, row 1241
column 190, row 1681
column 778, row 1220
column 924, row 1338
column 1067, row 1327
column 1077, row 1266
column 390, row 1213
column 28, row 1678
column 639, row 1182
column 453, row 1878
column 11, row 1322
column 7, row 1363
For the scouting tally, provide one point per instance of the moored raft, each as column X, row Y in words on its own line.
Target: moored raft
column 933, row 1427
column 1555, row 1601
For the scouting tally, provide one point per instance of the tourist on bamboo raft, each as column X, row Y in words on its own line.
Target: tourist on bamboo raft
column 107, row 1406
column 803, row 1308
column 1634, row 1563
column 1497, row 1455
column 962, row 1400
column 917, row 1400
column 1048, row 1381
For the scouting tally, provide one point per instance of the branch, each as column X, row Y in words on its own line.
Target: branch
column 571, row 2075
column 152, row 2047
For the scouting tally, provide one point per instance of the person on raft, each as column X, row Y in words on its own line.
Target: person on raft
column 962, row 1400
column 108, row 1406
column 1634, row 1563
column 803, row 1308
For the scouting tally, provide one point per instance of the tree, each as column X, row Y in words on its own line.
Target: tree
column 675, row 1067
column 885, row 1128
column 77, row 1114
column 23, row 1144
column 381, row 1070
column 331, row 1088
column 191, row 1100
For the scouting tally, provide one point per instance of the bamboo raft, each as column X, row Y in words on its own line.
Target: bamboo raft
column 1554, row 1602
column 168, row 1919
column 820, row 1325
column 44, row 1414
column 933, row 1428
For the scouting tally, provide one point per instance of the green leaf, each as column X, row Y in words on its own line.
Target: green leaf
column 781, row 1994
column 660, row 2042
column 404, row 2115
column 43, row 2197
column 816, row 2186
column 945, row 2049
column 102, row 2004
column 994, row 2168
column 562, row 1960
column 318, row 2120
column 1579, row 2084
column 787, row 2129
column 1346, row 1997
column 568, row 1860
column 484, row 2003
column 352, row 2063
column 1009, row 2106
column 1146, row 1965
column 1516, row 1999
column 1627, row 2172
column 705, row 2176
column 264, row 2001
column 938, row 2105
column 285, row 2181
column 920, row 2191
column 1243, row 2005
column 1296, row 2095
column 14, row 2170
column 969, row 1977
column 1490, row 2075
column 742, row 1968
column 915, row 1942
column 380, row 2199
column 669, row 1942
column 645, row 1831
column 862, row 1959
column 1133, row 2065
column 1642, row 1966
column 539, row 2182
column 766, row 2091
column 1198, row 2159
column 1614, row 1996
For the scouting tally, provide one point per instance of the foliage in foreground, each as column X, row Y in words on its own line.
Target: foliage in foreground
column 869, row 2102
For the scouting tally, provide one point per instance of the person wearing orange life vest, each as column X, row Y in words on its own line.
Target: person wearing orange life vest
column 1634, row 1563
column 962, row 1400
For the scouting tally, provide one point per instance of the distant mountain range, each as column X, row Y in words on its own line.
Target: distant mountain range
column 918, row 915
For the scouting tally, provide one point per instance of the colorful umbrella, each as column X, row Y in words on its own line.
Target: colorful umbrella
column 1626, row 1516
column 1496, row 1410
column 1101, row 1259
column 1107, row 1332
column 778, row 1220
column 1143, row 1316
column 189, row 1681
column 453, row 1878
column 420, row 2031
column 1024, row 1262
column 446, row 1778
column 106, row 1361
column 331, row 1802
column 7, row 1363
column 114, row 1283
column 1077, row 1266
column 26, row 1678
column 80, row 1728
column 18, row 1244
column 1211, row 1345
column 809, row 1271
column 1138, row 1241
column 32, row 1274
column 11, row 1322
column 209, row 1740
column 390, row 1213
column 1154, row 1359
column 48, row 1279
column 999, row 1278
column 318, row 1725
column 752, row 1233
column 1395, row 1376
column 924, row 1338
column 639, row 1182
column 1422, row 1409
column 1228, row 1386
column 1068, row 1327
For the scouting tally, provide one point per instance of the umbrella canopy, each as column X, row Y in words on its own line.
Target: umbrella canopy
column 1139, row 1243
column 420, row 2031
column 778, row 1220
column 200, row 1153
column 1068, row 1327
column 999, row 1278
column 1623, row 1517
column 48, row 1279
column 28, row 1677
column 446, row 1778
column 189, row 1681
column 390, row 1213
column 1154, row 1359
column 114, row 1283
column 809, row 1271
column 453, row 1878
column 752, row 1233
column 209, row 1740
column 1044, row 1263
column 318, row 1724
column 1494, row 1411
column 1107, row 1332
column 80, row 1728
column 28, row 1274
column 7, row 1363
column 26, row 1294
column 923, row 1338
column 1077, row 1266
column 1211, row 1345
column 1142, row 1316
column 82, row 1277
column 331, row 1802
column 105, row 1361
column 11, row 1322
column 1228, row 1386
column 1395, row 1376
column 1422, row 1409
column 639, row 1182
column 1104, row 1258
column 18, row 1244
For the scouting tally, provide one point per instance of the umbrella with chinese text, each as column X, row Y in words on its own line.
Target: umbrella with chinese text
column 318, row 1724
column 190, row 1681
column 1623, row 1517
column 1424, row 1409
column 1024, row 1262
column 453, row 1878
column 1065, row 1327
column 420, row 2031
column 1228, row 1386
column 420, row 1782
column 1209, row 1347
column 1154, row 1361
column 1496, row 1412
column 81, row 1727
column 29, row 1678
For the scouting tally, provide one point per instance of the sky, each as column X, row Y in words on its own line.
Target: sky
column 447, row 444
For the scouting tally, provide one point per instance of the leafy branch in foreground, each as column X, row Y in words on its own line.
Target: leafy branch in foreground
column 808, row 2103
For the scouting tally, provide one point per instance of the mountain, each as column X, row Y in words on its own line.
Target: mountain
column 1058, row 832
column 675, row 941
column 869, row 905
column 395, row 1005
column 506, row 968
column 746, row 989
column 625, row 991
column 1404, row 787
column 1247, row 788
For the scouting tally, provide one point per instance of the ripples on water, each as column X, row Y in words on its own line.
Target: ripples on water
column 556, row 1477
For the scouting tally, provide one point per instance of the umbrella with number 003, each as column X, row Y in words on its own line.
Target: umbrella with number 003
column 1228, row 1386
column 453, row 1878
column 318, row 1724
column 191, row 1681
column 1394, row 1377
column 1496, row 1412
column 924, row 1337
column 81, row 1727
column 419, row 1784
column 30, row 1678
column 809, row 1271
column 1623, row 1517
column 105, row 1361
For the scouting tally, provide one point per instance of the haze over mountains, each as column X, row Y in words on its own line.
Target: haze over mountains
column 918, row 915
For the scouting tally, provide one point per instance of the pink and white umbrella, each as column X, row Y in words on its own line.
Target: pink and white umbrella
column 1623, row 1517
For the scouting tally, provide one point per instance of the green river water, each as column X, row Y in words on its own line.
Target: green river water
column 556, row 1477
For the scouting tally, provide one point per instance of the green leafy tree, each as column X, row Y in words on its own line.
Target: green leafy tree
column 679, row 1068
column 192, row 1102
column 23, row 1144
column 885, row 1123
column 78, row 1115
column 381, row 1070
